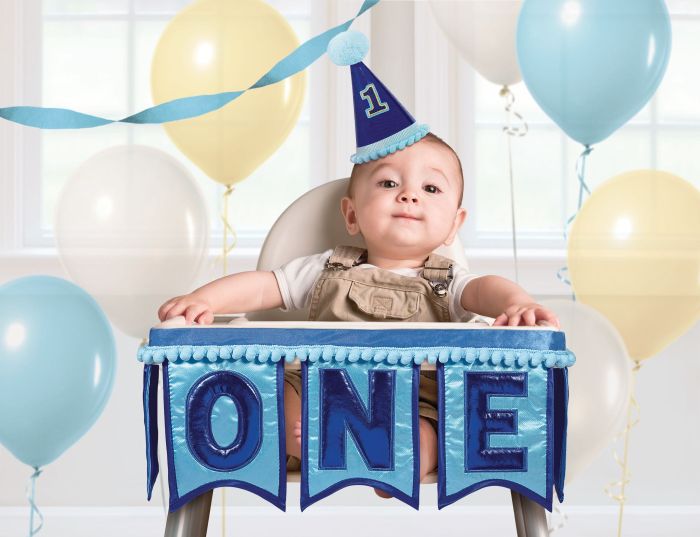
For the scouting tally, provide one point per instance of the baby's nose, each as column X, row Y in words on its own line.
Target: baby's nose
column 408, row 197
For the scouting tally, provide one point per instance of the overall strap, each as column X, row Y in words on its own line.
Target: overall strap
column 345, row 257
column 438, row 272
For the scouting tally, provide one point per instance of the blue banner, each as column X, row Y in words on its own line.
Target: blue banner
column 359, row 427
column 496, row 428
column 502, row 398
column 225, row 428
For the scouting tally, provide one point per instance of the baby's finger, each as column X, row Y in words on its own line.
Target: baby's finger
column 529, row 318
column 548, row 316
column 163, row 310
column 500, row 320
column 514, row 320
column 178, row 308
column 206, row 318
column 193, row 311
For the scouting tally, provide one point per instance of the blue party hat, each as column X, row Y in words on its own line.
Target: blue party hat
column 382, row 125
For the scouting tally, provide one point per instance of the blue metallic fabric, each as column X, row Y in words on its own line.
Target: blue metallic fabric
column 225, row 427
column 371, row 426
column 150, row 422
column 529, row 340
column 360, row 426
column 495, row 428
column 199, row 431
column 561, row 403
column 483, row 421
column 378, row 114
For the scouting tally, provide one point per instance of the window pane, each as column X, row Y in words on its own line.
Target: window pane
column 85, row 6
column 293, row 8
column 628, row 149
column 170, row 7
column 85, row 66
column 690, row 7
column 536, row 173
column 678, row 151
column 490, row 106
column 146, row 37
column 678, row 93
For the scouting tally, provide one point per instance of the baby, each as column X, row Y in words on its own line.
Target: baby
column 405, row 205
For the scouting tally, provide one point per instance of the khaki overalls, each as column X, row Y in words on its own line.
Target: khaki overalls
column 344, row 292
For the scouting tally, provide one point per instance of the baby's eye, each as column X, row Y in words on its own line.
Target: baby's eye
column 432, row 189
column 388, row 183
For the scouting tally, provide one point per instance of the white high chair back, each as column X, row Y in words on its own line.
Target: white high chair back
column 311, row 224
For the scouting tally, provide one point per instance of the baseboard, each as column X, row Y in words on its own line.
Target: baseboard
column 319, row 521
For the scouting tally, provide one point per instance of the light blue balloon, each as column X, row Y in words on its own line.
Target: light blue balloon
column 57, row 366
column 591, row 65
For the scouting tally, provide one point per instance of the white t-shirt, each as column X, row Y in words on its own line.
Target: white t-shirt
column 297, row 279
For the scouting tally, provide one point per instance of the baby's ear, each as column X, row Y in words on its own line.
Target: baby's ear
column 460, row 217
column 347, row 207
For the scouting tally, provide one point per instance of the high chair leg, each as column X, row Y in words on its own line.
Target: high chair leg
column 191, row 520
column 530, row 518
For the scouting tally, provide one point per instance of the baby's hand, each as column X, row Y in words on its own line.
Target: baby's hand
column 192, row 307
column 530, row 314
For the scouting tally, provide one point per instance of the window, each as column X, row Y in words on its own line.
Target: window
column 95, row 57
column 470, row 113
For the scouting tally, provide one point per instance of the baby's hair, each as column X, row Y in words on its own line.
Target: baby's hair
column 430, row 137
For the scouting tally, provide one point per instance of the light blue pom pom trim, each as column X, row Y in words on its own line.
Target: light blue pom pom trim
column 516, row 358
column 400, row 140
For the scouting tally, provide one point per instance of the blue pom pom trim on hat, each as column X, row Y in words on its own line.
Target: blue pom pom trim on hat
column 348, row 48
column 400, row 140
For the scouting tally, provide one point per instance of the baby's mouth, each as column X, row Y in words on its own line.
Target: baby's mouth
column 407, row 216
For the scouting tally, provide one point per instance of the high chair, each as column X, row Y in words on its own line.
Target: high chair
column 313, row 223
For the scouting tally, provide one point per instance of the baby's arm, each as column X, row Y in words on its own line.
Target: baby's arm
column 238, row 293
column 498, row 297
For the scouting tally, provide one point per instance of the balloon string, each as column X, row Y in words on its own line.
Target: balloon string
column 632, row 420
column 228, row 228
column 226, row 249
column 31, row 487
column 563, row 519
column 512, row 130
column 562, row 273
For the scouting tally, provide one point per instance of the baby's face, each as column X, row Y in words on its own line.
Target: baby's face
column 407, row 203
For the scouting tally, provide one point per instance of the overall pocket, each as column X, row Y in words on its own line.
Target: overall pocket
column 383, row 303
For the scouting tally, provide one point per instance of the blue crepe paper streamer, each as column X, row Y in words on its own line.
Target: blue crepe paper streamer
column 186, row 107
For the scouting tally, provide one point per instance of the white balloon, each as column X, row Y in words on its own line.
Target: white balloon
column 599, row 382
column 484, row 33
column 131, row 228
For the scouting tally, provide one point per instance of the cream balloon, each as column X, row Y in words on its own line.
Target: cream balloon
column 216, row 46
column 131, row 228
column 484, row 33
column 599, row 382
column 634, row 255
